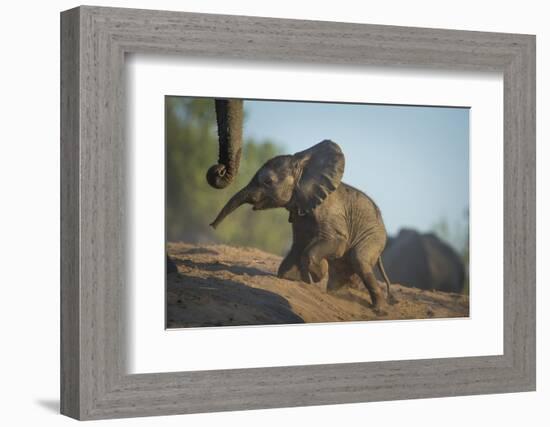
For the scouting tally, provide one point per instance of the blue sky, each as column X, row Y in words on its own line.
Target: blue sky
column 412, row 160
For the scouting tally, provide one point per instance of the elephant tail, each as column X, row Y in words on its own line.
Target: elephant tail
column 391, row 298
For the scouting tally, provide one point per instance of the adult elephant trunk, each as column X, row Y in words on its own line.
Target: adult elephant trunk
column 240, row 198
column 229, row 115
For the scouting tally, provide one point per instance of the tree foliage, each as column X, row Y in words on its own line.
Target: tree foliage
column 191, row 204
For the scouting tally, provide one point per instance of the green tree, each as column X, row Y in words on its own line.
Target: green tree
column 191, row 204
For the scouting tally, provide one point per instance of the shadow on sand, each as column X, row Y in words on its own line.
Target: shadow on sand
column 195, row 301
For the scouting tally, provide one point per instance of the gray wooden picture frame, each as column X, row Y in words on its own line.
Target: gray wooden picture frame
column 94, row 41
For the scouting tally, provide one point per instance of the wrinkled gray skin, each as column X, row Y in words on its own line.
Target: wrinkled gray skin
column 229, row 117
column 337, row 229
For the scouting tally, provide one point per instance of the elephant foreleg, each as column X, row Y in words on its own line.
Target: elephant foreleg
column 289, row 268
column 313, row 263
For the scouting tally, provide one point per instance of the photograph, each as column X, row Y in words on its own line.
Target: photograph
column 287, row 212
column 278, row 213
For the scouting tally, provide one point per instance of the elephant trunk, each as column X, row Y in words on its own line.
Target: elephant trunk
column 229, row 116
column 240, row 198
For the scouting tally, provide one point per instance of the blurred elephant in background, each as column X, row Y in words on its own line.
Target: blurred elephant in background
column 337, row 229
column 229, row 119
column 423, row 261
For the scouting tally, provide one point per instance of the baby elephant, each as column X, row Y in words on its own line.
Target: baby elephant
column 337, row 229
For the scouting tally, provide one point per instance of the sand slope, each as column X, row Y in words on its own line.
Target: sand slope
column 218, row 285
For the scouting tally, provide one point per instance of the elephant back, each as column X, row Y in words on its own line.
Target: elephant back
column 423, row 261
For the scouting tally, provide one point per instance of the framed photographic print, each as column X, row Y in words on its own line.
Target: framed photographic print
column 231, row 284
column 263, row 213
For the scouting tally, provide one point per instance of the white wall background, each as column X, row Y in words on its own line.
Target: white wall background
column 29, row 212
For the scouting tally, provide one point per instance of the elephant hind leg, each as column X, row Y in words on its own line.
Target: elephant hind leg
column 364, row 270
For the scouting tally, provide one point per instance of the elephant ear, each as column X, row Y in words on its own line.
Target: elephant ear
column 322, row 167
